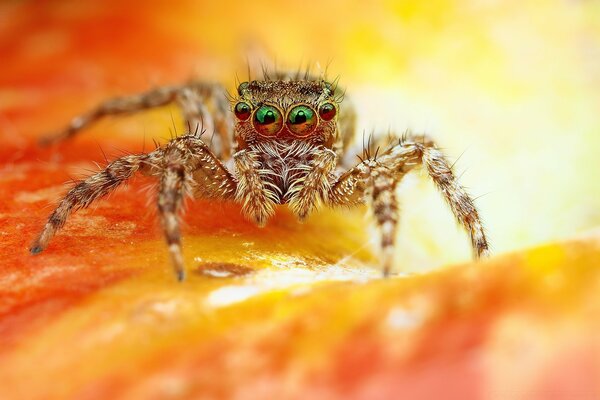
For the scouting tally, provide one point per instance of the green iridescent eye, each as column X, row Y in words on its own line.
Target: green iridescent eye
column 268, row 120
column 301, row 120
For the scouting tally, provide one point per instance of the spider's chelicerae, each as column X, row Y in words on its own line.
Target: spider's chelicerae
column 290, row 140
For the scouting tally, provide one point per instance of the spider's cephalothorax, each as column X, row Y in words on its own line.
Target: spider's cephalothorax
column 288, row 139
column 284, row 134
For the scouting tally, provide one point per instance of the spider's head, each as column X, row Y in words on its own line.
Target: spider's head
column 286, row 110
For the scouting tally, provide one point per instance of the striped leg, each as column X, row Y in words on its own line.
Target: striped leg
column 184, row 163
column 203, row 106
column 206, row 107
column 420, row 150
column 188, row 167
column 87, row 191
column 170, row 195
column 121, row 105
column 377, row 177
column 385, row 210
column 456, row 196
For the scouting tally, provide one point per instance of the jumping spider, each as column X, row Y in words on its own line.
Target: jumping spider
column 288, row 138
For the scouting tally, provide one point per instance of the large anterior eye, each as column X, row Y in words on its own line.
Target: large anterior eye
column 268, row 120
column 242, row 110
column 301, row 120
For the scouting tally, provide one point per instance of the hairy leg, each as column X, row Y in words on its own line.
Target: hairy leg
column 312, row 185
column 121, row 105
column 355, row 185
column 258, row 198
column 456, row 196
column 170, row 195
column 183, row 165
column 203, row 106
column 187, row 166
column 421, row 150
column 87, row 191
column 385, row 210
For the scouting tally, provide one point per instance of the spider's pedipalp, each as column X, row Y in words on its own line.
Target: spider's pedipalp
column 258, row 200
column 306, row 191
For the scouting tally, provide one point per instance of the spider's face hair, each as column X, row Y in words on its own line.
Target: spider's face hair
column 268, row 110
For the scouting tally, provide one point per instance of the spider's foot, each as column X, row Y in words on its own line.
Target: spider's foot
column 479, row 254
column 260, row 220
column 387, row 260
column 36, row 249
column 51, row 139
column 180, row 275
column 45, row 141
column 38, row 245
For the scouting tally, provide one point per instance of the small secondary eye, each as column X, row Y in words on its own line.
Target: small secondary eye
column 243, row 87
column 268, row 120
column 242, row 111
column 327, row 111
column 301, row 120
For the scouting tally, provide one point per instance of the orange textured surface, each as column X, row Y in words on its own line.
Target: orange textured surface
column 298, row 314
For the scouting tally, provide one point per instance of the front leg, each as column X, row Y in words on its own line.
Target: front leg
column 184, row 165
column 412, row 151
column 188, row 167
column 171, row 191
column 87, row 191
column 374, row 181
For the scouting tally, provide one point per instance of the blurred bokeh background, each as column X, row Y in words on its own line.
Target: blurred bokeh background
column 512, row 88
